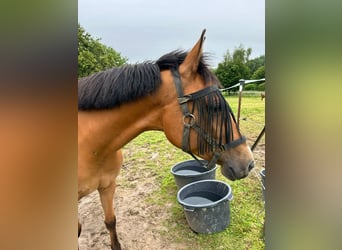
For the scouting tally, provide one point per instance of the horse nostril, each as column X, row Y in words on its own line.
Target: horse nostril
column 251, row 166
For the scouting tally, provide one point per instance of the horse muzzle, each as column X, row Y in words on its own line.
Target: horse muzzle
column 235, row 173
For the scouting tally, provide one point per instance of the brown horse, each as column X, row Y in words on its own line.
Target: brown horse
column 263, row 95
column 177, row 94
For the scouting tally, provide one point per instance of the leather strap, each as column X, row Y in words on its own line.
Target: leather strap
column 183, row 102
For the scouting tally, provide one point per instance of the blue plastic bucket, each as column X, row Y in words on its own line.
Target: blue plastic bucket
column 263, row 178
column 206, row 205
column 190, row 171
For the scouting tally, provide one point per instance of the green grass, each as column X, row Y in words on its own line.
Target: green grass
column 247, row 209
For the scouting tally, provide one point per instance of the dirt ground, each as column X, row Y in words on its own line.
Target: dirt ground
column 139, row 224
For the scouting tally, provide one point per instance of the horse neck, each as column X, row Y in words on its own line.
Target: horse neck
column 116, row 127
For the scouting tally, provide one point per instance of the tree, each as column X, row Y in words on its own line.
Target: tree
column 259, row 73
column 234, row 66
column 256, row 63
column 93, row 56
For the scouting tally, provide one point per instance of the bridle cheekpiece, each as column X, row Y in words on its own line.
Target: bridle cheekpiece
column 210, row 105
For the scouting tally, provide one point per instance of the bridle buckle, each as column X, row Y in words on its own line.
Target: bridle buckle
column 191, row 119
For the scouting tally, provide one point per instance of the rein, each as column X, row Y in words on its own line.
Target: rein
column 209, row 143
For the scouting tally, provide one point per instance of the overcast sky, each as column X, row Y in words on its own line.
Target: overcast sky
column 147, row 29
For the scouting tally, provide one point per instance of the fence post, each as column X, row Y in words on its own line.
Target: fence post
column 242, row 82
column 258, row 139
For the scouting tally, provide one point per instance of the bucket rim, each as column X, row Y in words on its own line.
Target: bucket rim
column 192, row 175
column 227, row 197
column 263, row 172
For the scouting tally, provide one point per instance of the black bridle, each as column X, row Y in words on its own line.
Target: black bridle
column 190, row 122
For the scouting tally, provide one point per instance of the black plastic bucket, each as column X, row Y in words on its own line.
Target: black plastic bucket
column 190, row 171
column 263, row 178
column 206, row 205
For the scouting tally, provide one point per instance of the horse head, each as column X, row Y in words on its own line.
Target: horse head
column 196, row 116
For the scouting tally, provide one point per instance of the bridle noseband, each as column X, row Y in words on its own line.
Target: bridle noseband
column 189, row 121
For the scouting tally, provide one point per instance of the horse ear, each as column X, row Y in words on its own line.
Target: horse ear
column 190, row 64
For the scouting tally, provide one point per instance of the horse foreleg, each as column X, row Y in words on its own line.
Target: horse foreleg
column 79, row 229
column 106, row 196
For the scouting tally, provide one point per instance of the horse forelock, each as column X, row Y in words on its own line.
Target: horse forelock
column 175, row 58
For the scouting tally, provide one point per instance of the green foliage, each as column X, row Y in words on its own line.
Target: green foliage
column 256, row 63
column 259, row 73
column 255, row 87
column 237, row 65
column 251, row 86
column 261, row 87
column 234, row 67
column 94, row 56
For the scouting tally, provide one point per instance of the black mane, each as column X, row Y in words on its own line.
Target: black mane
column 112, row 87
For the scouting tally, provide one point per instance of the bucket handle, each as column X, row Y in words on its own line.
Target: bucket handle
column 189, row 209
column 230, row 197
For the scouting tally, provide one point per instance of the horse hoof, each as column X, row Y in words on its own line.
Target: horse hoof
column 117, row 247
